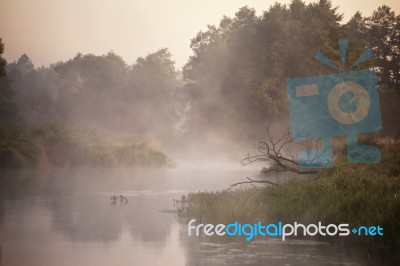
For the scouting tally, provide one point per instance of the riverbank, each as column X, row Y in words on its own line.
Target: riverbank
column 355, row 194
column 61, row 145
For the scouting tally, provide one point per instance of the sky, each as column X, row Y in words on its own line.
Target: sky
column 53, row 30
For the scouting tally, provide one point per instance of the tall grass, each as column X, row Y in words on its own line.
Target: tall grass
column 354, row 194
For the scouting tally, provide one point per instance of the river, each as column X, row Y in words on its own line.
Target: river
column 65, row 217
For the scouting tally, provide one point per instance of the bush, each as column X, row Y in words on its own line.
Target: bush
column 63, row 145
column 355, row 194
column 18, row 148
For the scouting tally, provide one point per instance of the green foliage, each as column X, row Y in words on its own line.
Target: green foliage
column 389, row 103
column 8, row 109
column 103, row 91
column 60, row 145
column 383, row 36
column 18, row 148
column 362, row 195
column 235, row 76
column 239, row 69
column 73, row 92
column 3, row 62
column 355, row 194
column 243, row 205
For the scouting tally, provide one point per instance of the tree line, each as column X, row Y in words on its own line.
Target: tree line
column 232, row 84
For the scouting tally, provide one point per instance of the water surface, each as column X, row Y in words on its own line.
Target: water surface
column 65, row 217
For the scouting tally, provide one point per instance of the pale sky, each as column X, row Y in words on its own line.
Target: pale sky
column 54, row 30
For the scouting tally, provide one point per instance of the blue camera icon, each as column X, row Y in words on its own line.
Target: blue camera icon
column 338, row 104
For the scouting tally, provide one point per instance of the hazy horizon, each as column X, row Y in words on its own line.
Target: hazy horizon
column 50, row 31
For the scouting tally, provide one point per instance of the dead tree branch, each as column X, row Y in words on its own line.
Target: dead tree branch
column 252, row 181
column 279, row 154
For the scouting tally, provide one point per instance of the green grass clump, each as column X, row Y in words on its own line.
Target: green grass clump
column 355, row 194
column 349, row 195
column 243, row 205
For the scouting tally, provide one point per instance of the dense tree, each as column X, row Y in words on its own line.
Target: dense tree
column 238, row 71
column 235, row 78
column 381, row 33
column 3, row 62
column 8, row 109
column 86, row 86
column 383, row 36
column 152, row 86
column 34, row 90
column 22, row 67
column 139, row 101
column 237, row 74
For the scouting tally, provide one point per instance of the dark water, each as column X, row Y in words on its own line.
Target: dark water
column 65, row 217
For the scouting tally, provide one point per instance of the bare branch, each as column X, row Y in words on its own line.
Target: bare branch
column 252, row 181
column 280, row 153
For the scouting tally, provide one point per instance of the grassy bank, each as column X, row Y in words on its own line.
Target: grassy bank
column 63, row 145
column 354, row 194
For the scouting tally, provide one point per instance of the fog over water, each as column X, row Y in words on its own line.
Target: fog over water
column 112, row 111
column 65, row 217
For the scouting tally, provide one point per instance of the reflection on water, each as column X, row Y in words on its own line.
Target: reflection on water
column 269, row 252
column 66, row 217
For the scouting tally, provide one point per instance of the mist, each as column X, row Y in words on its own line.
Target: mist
column 215, row 107
column 107, row 152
